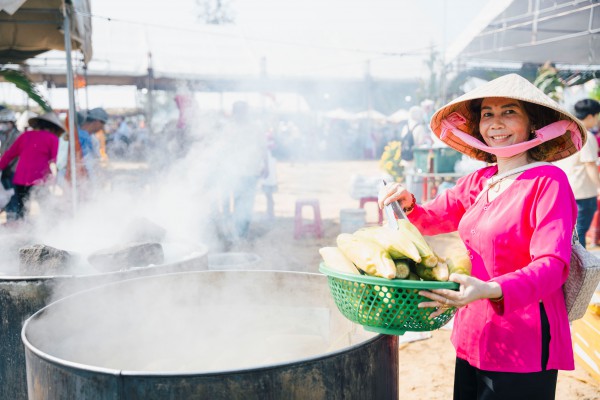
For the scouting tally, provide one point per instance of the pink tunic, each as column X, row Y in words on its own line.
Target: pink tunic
column 522, row 240
column 35, row 149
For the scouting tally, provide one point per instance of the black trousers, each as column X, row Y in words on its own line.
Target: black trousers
column 471, row 383
column 17, row 202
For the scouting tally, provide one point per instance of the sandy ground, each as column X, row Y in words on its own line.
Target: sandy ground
column 426, row 366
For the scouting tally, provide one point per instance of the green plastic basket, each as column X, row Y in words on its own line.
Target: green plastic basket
column 384, row 305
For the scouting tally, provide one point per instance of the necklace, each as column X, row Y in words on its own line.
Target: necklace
column 495, row 183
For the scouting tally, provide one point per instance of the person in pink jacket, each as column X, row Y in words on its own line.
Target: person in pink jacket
column 36, row 149
column 516, row 218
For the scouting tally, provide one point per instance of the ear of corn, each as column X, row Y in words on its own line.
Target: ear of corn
column 413, row 277
column 367, row 255
column 437, row 273
column 429, row 259
column 393, row 241
column 335, row 259
column 459, row 263
column 402, row 269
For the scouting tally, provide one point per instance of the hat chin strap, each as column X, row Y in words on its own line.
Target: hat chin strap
column 542, row 135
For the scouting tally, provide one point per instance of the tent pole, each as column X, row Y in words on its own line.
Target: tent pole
column 72, row 115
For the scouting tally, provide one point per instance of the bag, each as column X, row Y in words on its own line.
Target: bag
column 584, row 276
column 584, row 270
column 407, row 144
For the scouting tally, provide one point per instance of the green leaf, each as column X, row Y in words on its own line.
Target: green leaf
column 20, row 80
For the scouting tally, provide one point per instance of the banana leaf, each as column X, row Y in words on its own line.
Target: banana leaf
column 20, row 80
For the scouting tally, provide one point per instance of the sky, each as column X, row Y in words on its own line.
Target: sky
column 333, row 38
column 322, row 38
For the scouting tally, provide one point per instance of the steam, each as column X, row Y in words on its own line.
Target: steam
column 181, row 189
column 197, row 322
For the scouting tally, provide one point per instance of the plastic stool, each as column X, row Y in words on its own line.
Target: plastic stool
column 365, row 200
column 300, row 227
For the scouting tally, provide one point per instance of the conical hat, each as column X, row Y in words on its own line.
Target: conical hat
column 510, row 86
column 49, row 117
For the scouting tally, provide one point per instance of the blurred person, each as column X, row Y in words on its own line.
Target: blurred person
column 243, row 164
column 119, row 139
column 414, row 134
column 428, row 107
column 94, row 121
column 141, row 142
column 582, row 169
column 268, row 182
column 101, row 136
column 62, row 159
column 36, row 150
column 85, row 140
column 516, row 218
column 8, row 134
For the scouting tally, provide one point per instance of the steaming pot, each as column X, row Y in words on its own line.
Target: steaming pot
column 206, row 335
column 21, row 296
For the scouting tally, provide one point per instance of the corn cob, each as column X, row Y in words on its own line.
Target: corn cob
column 413, row 277
column 393, row 241
column 367, row 255
column 428, row 258
column 335, row 259
column 402, row 269
column 437, row 273
column 459, row 264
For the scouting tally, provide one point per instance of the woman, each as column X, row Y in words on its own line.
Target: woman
column 36, row 150
column 518, row 231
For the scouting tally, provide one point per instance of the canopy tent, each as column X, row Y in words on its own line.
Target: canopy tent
column 536, row 31
column 31, row 27
column 339, row 113
column 370, row 114
column 398, row 116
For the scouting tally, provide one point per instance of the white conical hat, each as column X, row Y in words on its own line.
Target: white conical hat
column 49, row 117
column 510, row 86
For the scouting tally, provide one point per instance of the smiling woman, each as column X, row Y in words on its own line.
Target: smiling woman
column 503, row 122
column 494, row 118
column 518, row 239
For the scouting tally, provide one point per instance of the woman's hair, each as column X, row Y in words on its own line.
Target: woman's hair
column 539, row 116
column 43, row 125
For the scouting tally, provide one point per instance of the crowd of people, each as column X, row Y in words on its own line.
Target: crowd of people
column 40, row 154
column 40, row 157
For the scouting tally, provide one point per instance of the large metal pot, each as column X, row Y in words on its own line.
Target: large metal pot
column 21, row 296
column 234, row 261
column 206, row 335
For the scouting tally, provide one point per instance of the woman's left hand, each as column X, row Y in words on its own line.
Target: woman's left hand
column 470, row 289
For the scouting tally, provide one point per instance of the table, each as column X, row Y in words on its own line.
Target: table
column 432, row 180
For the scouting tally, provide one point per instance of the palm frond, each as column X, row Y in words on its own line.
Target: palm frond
column 20, row 80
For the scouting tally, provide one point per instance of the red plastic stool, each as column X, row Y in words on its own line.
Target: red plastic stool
column 365, row 200
column 300, row 227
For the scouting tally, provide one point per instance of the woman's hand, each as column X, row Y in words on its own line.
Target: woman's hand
column 394, row 192
column 470, row 289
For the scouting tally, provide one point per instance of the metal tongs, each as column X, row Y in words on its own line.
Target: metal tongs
column 393, row 211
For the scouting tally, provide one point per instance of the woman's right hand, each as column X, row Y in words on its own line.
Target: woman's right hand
column 394, row 192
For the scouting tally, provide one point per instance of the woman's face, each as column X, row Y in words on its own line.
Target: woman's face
column 503, row 122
